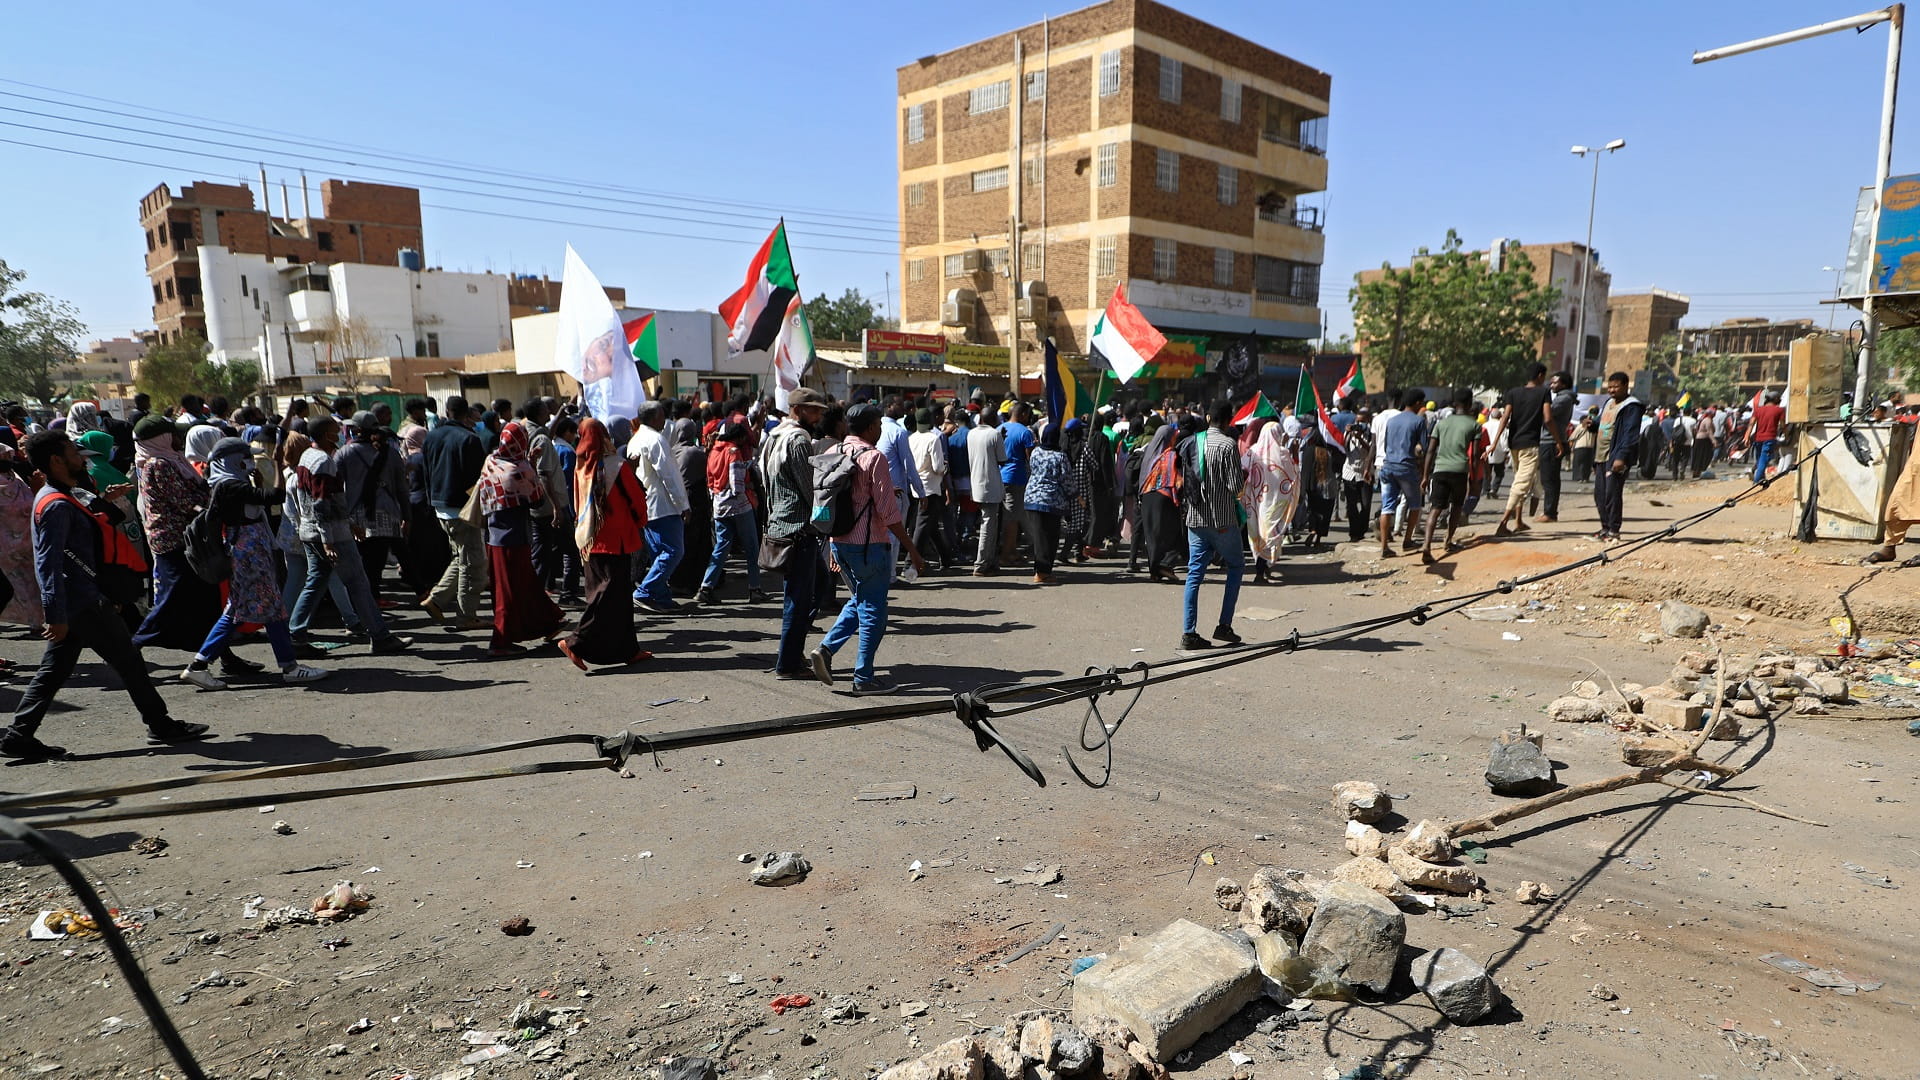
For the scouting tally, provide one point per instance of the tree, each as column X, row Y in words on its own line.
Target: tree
column 171, row 370
column 39, row 337
column 234, row 380
column 351, row 340
column 1451, row 319
column 843, row 319
column 1896, row 359
column 1712, row 378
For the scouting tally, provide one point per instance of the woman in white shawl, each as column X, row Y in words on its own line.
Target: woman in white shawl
column 1271, row 494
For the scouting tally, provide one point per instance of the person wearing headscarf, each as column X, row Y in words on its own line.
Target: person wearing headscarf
column 730, row 486
column 424, row 552
column 171, row 492
column 1272, row 492
column 1160, row 518
column 20, row 602
column 253, row 593
column 1096, row 468
column 691, row 454
column 292, row 449
column 509, row 489
column 98, row 447
column 610, row 519
column 200, row 440
column 1319, row 483
column 374, row 482
column 82, row 417
column 1052, row 490
column 1077, row 521
column 326, row 530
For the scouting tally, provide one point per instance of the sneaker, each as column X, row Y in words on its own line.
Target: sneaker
column 822, row 661
column 756, row 596
column 301, row 673
column 874, row 688
column 173, row 733
column 203, row 678
column 22, row 747
column 231, row 665
column 391, row 644
column 703, row 597
column 1225, row 633
column 1190, row 642
column 792, row 676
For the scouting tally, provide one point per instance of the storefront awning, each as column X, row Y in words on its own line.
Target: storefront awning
column 1169, row 320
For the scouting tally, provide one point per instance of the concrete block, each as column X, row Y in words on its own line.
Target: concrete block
column 1355, row 937
column 1678, row 715
column 1185, row 982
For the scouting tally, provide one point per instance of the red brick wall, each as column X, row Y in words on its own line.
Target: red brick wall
column 1182, row 29
column 1197, row 115
column 1080, row 25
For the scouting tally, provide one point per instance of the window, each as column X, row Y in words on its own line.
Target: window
column 169, row 284
column 1165, row 255
column 1106, row 251
column 150, row 240
column 1036, row 169
column 916, row 269
column 990, row 179
column 433, row 343
column 1106, row 160
column 243, row 284
column 157, row 294
column 1109, row 72
column 916, row 194
column 1229, row 185
column 956, row 266
column 916, row 123
column 1036, row 85
column 1170, row 72
column 1223, row 267
column 1029, row 258
column 1313, row 135
column 1166, row 170
column 1229, row 101
column 988, row 98
column 326, row 240
column 163, row 234
column 1284, row 279
column 997, row 260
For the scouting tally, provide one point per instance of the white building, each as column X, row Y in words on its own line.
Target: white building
column 693, row 351
column 300, row 320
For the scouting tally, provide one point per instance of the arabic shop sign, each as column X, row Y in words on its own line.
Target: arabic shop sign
column 1896, row 244
column 894, row 349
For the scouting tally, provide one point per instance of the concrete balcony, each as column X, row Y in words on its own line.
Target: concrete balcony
column 1283, row 239
column 1300, row 169
column 310, row 310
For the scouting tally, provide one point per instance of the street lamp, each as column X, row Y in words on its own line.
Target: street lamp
column 1586, row 269
column 1835, row 271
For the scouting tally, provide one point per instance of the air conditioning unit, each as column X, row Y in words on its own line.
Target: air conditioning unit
column 957, row 309
column 973, row 261
column 1032, row 305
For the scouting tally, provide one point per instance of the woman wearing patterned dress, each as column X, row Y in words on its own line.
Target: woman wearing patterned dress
column 172, row 491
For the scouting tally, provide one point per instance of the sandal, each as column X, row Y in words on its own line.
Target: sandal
column 1878, row 555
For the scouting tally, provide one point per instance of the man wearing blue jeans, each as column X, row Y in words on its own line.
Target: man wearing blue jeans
column 786, row 463
column 1403, row 447
column 863, row 556
column 666, row 502
column 1211, row 481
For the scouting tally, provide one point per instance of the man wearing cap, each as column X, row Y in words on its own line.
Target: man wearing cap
column 69, row 523
column 786, row 464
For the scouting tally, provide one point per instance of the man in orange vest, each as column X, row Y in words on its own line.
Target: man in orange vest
column 70, row 527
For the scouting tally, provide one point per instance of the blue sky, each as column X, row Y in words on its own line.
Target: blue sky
column 1736, row 185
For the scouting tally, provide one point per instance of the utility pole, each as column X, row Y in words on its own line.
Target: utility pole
column 1016, row 92
column 1587, row 260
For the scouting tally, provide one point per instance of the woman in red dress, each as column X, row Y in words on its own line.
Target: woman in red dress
column 509, row 488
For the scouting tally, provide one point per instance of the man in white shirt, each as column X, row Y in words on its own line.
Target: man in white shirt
column 927, row 446
column 985, row 454
column 666, row 502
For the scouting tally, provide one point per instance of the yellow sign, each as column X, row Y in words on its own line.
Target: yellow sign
column 979, row 359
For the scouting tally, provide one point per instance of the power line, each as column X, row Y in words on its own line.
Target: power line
column 247, row 130
column 753, row 228
column 472, row 210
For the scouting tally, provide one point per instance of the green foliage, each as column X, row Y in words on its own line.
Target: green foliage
column 843, row 319
column 170, row 370
column 1712, row 378
column 234, row 380
column 1897, row 358
column 1450, row 319
column 39, row 338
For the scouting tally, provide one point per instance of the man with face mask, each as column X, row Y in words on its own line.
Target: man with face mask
column 787, row 467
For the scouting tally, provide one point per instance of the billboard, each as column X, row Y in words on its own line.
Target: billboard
column 894, row 349
column 1896, row 243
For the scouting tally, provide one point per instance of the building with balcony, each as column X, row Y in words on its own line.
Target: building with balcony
column 1760, row 347
column 359, row 222
column 1124, row 142
column 1637, row 322
column 311, row 322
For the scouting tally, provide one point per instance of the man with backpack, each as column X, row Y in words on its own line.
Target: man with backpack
column 854, row 501
column 70, row 534
column 326, row 530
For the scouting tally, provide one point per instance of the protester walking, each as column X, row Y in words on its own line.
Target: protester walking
column 928, row 448
column 510, row 488
column 1210, row 485
column 373, row 481
column 986, row 457
column 610, row 514
column 453, row 456
column 253, row 589
column 1763, row 433
column 1459, row 449
column 1555, row 446
column 667, row 504
column 1356, row 474
column 786, row 463
column 1051, row 492
column 326, row 531
column 864, row 558
column 72, row 530
column 1160, row 496
column 736, row 525
column 1403, row 449
column 172, row 491
column 1529, row 425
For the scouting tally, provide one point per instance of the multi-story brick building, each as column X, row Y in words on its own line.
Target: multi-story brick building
column 1121, row 142
column 359, row 222
column 1637, row 322
column 1760, row 345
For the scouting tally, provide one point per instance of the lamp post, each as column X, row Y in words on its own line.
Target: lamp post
column 1835, row 271
column 1586, row 268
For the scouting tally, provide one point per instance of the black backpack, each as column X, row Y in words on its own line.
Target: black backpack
column 833, row 513
column 206, row 547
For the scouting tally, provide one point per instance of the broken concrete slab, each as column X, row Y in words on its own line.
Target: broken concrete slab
column 960, row 1059
column 1358, row 800
column 1575, row 710
column 1646, row 751
column 1675, row 714
column 1456, row 984
column 1373, row 874
column 1355, row 937
column 1276, row 899
column 1365, row 840
column 1428, row 840
column 1452, row 876
column 883, row 792
column 1180, row 984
